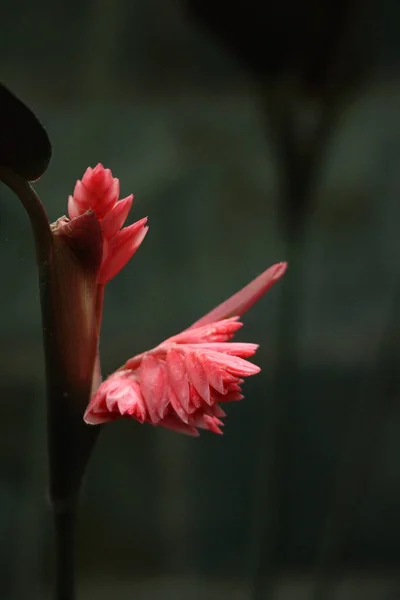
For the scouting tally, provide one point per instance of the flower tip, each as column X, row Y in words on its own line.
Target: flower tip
column 87, row 173
column 122, row 247
column 280, row 270
column 116, row 217
column 91, row 419
column 240, row 302
column 73, row 208
column 212, row 424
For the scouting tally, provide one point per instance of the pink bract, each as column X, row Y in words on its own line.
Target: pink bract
column 98, row 191
column 181, row 383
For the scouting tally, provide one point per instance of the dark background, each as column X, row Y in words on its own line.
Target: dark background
column 249, row 135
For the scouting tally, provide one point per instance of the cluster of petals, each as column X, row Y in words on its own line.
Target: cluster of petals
column 99, row 191
column 181, row 383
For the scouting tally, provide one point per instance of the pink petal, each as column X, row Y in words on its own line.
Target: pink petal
column 153, row 383
column 196, row 401
column 89, row 172
column 74, row 210
column 97, row 190
column 176, row 369
column 130, row 402
column 219, row 331
column 217, row 411
column 119, row 395
column 197, row 375
column 104, row 199
column 214, row 374
column 92, row 418
column 98, row 178
column 82, row 195
column 121, row 249
column 101, row 177
column 176, row 405
column 232, row 364
column 241, row 349
column 135, row 361
column 96, row 406
column 114, row 220
column 96, row 411
column 240, row 302
column 208, row 422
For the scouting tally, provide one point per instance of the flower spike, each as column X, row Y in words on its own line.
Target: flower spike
column 98, row 191
column 181, row 383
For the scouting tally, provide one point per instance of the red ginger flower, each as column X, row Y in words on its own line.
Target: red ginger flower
column 181, row 383
column 99, row 191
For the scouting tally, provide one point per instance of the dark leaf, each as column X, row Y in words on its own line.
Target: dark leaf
column 24, row 144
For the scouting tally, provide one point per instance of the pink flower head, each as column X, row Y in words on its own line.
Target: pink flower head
column 181, row 383
column 98, row 191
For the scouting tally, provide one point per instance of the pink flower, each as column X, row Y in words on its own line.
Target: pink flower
column 80, row 255
column 99, row 191
column 181, row 383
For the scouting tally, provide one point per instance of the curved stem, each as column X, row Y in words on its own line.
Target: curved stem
column 35, row 210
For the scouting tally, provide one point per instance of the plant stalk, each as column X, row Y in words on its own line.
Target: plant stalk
column 64, row 530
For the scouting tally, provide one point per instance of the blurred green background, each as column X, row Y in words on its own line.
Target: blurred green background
column 240, row 158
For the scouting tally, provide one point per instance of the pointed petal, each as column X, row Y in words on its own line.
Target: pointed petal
column 153, row 384
column 232, row 364
column 240, row 302
column 121, row 249
column 241, row 349
column 208, row 422
column 89, row 172
column 99, row 179
column 131, row 403
column 219, row 331
column 217, row 410
column 176, row 405
column 104, row 198
column 118, row 396
column 92, row 418
column 215, row 374
column 196, row 401
column 82, row 195
column 178, row 379
column 74, row 210
column 115, row 218
column 97, row 190
column 197, row 375
column 96, row 411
